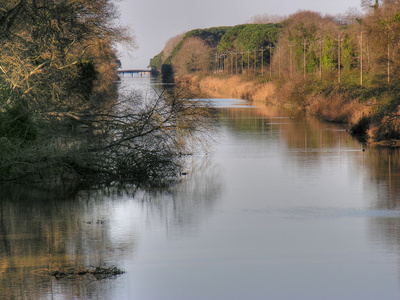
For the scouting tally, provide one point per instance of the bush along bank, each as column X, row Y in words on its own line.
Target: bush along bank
column 372, row 112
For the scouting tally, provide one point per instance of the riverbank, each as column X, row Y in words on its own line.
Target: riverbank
column 239, row 87
column 337, row 106
column 369, row 112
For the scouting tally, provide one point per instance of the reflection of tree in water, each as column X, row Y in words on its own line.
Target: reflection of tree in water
column 308, row 139
column 384, row 229
column 383, row 169
column 383, row 172
column 183, row 206
column 73, row 227
column 68, row 228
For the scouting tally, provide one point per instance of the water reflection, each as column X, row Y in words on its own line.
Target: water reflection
column 354, row 183
column 284, row 207
column 41, row 228
column 382, row 168
column 309, row 141
column 95, row 227
column 181, row 208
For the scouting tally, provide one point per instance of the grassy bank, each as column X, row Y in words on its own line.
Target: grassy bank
column 371, row 112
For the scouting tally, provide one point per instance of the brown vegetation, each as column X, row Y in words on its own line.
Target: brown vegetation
column 193, row 57
column 170, row 45
column 52, row 52
column 336, row 107
column 239, row 87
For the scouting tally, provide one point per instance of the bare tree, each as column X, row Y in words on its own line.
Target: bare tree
column 266, row 19
column 352, row 16
column 43, row 44
column 143, row 139
column 317, row 31
column 193, row 57
column 382, row 31
column 370, row 4
column 170, row 45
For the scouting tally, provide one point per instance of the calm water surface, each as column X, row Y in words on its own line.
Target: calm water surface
column 281, row 207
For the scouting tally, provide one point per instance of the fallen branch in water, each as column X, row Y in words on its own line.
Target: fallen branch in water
column 75, row 272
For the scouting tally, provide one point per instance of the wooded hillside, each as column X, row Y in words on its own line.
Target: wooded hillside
column 354, row 56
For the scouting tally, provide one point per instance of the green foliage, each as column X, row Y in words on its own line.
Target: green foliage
column 256, row 36
column 211, row 36
column 5, row 94
column 245, row 37
column 227, row 42
column 249, row 37
column 328, row 57
column 156, row 61
column 302, row 32
column 312, row 59
column 348, row 54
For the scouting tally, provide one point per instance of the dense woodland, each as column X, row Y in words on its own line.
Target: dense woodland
column 311, row 58
column 305, row 40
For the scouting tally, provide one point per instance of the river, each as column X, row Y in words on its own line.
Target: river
column 281, row 206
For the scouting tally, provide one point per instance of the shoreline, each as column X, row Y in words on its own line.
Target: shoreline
column 330, row 102
column 335, row 108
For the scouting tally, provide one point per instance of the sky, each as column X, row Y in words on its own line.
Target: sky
column 154, row 22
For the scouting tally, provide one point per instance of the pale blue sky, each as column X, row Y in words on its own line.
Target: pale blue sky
column 155, row 21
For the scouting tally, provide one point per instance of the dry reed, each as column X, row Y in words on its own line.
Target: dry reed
column 336, row 107
column 238, row 87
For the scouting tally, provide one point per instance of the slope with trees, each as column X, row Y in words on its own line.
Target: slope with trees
column 327, row 65
column 173, row 54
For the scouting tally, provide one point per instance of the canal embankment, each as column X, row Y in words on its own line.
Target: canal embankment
column 359, row 107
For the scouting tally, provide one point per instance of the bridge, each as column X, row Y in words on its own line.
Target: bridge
column 133, row 71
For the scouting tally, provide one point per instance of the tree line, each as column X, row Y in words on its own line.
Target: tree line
column 359, row 46
column 312, row 58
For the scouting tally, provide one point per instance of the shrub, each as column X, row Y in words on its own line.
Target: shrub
column 16, row 122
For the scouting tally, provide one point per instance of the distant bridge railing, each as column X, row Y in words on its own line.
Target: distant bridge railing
column 133, row 71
